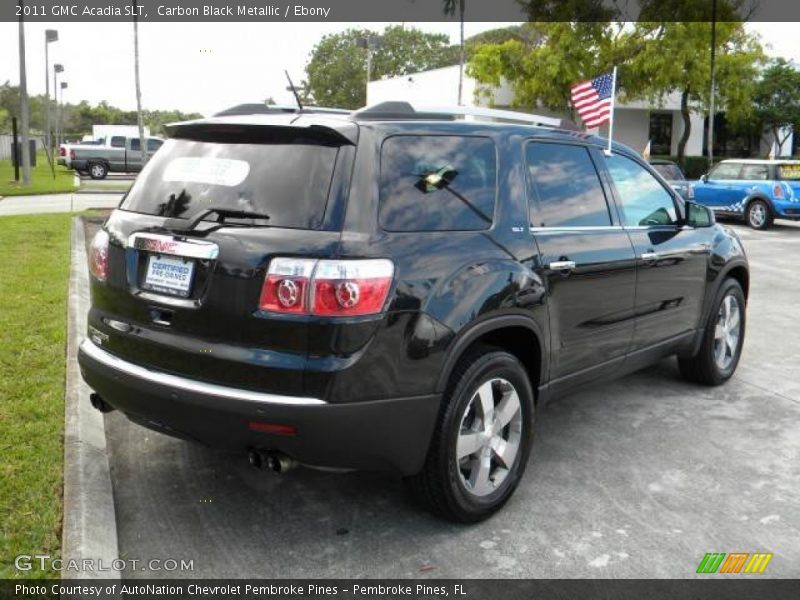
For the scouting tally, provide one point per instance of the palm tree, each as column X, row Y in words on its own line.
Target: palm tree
column 142, row 141
column 450, row 9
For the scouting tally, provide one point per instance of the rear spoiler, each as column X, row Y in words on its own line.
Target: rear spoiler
column 280, row 130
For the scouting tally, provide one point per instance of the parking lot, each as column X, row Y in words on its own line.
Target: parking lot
column 635, row 478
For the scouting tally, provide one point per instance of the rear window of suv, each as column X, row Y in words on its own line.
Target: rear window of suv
column 288, row 181
column 437, row 183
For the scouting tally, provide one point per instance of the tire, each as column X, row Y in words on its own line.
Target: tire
column 464, row 490
column 98, row 170
column 712, row 366
column 759, row 215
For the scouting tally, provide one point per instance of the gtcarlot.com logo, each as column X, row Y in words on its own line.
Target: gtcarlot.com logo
column 735, row 562
column 27, row 562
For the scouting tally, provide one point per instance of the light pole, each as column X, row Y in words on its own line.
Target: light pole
column 23, row 94
column 370, row 43
column 50, row 35
column 57, row 68
column 60, row 121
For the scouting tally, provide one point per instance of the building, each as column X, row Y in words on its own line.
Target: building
column 635, row 123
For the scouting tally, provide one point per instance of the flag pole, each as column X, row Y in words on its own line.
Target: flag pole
column 613, row 106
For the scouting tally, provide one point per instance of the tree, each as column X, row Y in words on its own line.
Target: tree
column 676, row 59
column 336, row 71
column 776, row 98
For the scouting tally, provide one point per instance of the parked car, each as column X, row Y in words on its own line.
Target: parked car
column 757, row 191
column 672, row 173
column 123, row 155
column 397, row 290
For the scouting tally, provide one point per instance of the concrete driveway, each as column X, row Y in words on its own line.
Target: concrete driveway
column 636, row 478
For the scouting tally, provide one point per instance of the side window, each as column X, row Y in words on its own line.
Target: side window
column 117, row 141
column 565, row 187
column 725, row 171
column 643, row 200
column 437, row 183
column 755, row 172
column 135, row 145
column 153, row 145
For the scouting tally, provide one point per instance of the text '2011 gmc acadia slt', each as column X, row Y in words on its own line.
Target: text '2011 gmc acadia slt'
column 397, row 290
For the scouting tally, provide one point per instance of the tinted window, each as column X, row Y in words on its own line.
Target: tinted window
column 153, row 145
column 135, row 145
column 118, row 141
column 566, row 189
column 754, row 172
column 725, row 171
column 669, row 171
column 288, row 181
column 643, row 200
column 437, row 183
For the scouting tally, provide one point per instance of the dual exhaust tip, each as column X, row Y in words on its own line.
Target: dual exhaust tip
column 270, row 460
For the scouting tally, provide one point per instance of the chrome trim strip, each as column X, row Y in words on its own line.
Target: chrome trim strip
column 191, row 385
column 167, row 244
column 576, row 228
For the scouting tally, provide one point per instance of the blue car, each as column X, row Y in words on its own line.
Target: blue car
column 757, row 191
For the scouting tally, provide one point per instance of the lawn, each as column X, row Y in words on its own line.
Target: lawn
column 42, row 181
column 34, row 275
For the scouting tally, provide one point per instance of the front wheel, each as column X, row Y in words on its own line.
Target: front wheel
column 482, row 439
column 723, row 338
column 759, row 215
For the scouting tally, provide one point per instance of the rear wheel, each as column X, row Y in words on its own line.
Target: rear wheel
column 98, row 170
column 723, row 338
column 482, row 439
column 759, row 215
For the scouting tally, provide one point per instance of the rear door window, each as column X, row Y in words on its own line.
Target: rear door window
column 287, row 180
column 755, row 172
column 565, row 189
column 437, row 183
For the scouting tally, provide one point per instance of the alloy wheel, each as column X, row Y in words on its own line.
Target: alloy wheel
column 727, row 332
column 758, row 215
column 489, row 437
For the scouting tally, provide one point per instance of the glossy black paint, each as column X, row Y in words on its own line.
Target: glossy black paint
column 451, row 290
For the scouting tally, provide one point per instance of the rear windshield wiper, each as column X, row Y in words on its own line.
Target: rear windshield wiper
column 222, row 214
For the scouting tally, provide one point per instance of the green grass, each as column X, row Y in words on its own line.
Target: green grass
column 34, row 276
column 42, row 181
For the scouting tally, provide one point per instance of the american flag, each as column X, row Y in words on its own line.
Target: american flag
column 594, row 99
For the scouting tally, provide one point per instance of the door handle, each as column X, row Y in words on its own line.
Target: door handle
column 649, row 256
column 562, row 265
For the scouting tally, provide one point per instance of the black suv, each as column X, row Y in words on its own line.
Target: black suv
column 397, row 290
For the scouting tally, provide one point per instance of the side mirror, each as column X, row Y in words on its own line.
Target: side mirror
column 698, row 215
column 704, row 177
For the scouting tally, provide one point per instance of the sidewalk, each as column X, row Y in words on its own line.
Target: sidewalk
column 56, row 203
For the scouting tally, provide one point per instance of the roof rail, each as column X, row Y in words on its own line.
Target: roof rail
column 404, row 110
column 496, row 113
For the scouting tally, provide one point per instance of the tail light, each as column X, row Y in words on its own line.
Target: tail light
column 777, row 190
column 98, row 256
column 327, row 287
column 72, row 154
column 62, row 151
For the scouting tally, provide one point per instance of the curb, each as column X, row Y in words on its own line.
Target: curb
column 90, row 525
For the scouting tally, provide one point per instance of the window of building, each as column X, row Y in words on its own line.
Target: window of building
column 565, row 189
column 437, row 183
column 643, row 200
column 660, row 134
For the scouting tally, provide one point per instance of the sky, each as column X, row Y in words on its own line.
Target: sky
column 206, row 67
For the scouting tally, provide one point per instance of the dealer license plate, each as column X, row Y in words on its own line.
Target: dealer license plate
column 169, row 275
